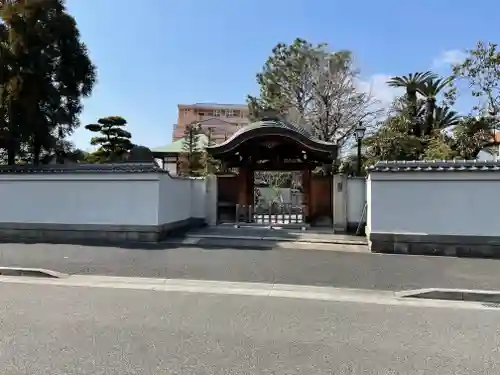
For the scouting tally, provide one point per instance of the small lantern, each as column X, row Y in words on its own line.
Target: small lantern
column 359, row 132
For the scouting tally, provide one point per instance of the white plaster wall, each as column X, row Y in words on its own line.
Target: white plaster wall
column 103, row 198
column 181, row 198
column 356, row 198
column 486, row 156
column 489, row 155
column 448, row 203
column 211, row 200
column 171, row 168
column 339, row 199
column 369, row 207
column 198, row 194
column 175, row 199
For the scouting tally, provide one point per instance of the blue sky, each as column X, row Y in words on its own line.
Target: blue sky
column 152, row 55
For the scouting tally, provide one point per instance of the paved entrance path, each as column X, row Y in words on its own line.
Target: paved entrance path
column 258, row 232
column 284, row 266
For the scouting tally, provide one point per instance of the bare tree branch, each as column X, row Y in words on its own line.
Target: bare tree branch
column 317, row 90
column 339, row 106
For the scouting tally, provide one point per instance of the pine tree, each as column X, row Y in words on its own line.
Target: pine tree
column 212, row 165
column 192, row 154
column 113, row 142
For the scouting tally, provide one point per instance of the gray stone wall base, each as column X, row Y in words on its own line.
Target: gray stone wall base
column 352, row 227
column 93, row 233
column 441, row 245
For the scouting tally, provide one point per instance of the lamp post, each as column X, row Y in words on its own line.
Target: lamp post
column 359, row 133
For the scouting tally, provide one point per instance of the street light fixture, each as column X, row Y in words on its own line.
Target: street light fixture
column 359, row 133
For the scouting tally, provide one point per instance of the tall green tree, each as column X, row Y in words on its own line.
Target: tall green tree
column 113, row 140
column 315, row 88
column 471, row 135
column 48, row 74
column 450, row 136
column 192, row 163
column 423, row 120
column 393, row 141
column 480, row 71
column 11, row 127
column 285, row 80
column 412, row 84
column 431, row 88
column 212, row 165
column 477, row 77
column 444, row 117
column 6, row 136
column 65, row 151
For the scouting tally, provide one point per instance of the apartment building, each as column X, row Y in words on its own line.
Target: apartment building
column 222, row 120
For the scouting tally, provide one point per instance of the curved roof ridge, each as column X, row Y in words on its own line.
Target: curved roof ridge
column 274, row 123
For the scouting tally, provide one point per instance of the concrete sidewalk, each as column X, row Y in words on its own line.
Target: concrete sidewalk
column 308, row 292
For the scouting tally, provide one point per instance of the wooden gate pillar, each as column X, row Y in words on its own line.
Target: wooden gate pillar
column 245, row 186
column 306, row 197
column 250, row 187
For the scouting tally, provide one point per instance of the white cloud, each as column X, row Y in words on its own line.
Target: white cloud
column 448, row 58
column 378, row 87
column 377, row 83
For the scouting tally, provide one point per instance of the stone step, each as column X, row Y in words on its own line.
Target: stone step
column 263, row 244
column 333, row 239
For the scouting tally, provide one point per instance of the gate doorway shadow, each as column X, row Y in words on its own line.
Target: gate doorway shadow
column 268, row 179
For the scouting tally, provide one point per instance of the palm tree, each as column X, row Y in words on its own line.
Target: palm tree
column 444, row 117
column 412, row 84
column 430, row 89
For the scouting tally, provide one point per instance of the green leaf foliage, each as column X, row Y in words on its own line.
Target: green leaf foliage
column 284, row 81
column 212, row 165
column 443, row 135
column 193, row 156
column 315, row 88
column 113, row 141
column 480, row 71
column 45, row 74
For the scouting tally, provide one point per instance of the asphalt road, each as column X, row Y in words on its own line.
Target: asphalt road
column 77, row 330
column 285, row 266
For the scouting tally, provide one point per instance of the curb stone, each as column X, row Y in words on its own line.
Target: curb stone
column 453, row 295
column 31, row 272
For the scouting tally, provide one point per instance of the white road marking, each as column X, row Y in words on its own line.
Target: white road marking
column 246, row 289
